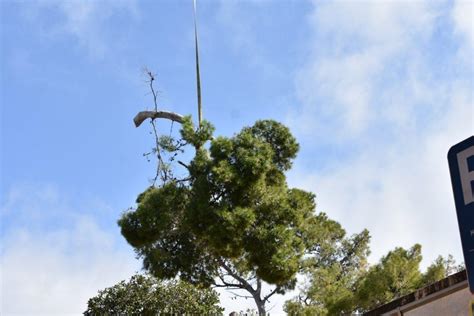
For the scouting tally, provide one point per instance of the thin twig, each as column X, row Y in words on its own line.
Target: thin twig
column 160, row 167
column 239, row 295
column 152, row 78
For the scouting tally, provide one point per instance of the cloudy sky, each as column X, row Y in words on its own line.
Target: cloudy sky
column 375, row 92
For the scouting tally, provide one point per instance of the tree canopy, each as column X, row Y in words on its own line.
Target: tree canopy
column 232, row 221
column 145, row 295
column 332, row 270
column 397, row 274
column 365, row 287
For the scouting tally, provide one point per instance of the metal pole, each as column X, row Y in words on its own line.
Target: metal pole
column 198, row 76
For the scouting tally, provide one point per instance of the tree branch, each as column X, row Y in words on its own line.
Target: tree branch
column 143, row 115
column 183, row 164
column 228, row 287
column 160, row 167
column 228, row 284
column 265, row 298
column 239, row 295
column 152, row 78
column 246, row 285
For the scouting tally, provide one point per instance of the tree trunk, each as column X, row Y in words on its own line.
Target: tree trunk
column 245, row 285
column 258, row 299
column 260, row 307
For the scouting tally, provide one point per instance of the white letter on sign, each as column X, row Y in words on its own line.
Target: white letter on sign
column 467, row 177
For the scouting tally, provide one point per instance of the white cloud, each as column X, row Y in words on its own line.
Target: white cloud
column 463, row 19
column 55, row 257
column 374, row 84
column 400, row 191
column 355, row 47
column 463, row 14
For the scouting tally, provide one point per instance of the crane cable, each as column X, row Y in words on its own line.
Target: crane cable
column 198, row 77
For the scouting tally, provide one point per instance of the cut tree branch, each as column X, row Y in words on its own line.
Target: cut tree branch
column 143, row 115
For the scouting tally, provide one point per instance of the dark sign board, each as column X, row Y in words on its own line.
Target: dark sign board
column 461, row 167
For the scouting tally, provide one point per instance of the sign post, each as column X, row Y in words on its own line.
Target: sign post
column 461, row 167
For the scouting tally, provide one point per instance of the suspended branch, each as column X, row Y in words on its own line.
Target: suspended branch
column 166, row 148
column 175, row 117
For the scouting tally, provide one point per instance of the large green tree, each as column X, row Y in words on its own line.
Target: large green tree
column 231, row 221
column 145, row 295
column 441, row 268
column 398, row 273
column 364, row 288
column 332, row 270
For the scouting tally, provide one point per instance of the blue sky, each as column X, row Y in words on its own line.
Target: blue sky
column 375, row 92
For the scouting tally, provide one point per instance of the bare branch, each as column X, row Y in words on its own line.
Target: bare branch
column 228, row 284
column 182, row 180
column 161, row 164
column 183, row 164
column 265, row 298
column 239, row 295
column 246, row 285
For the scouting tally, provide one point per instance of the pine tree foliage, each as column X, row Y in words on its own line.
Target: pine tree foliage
column 332, row 270
column 396, row 275
column 234, row 215
column 334, row 288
